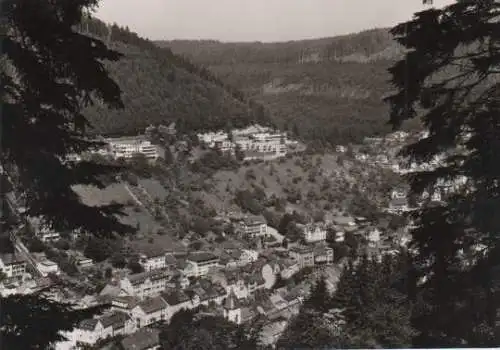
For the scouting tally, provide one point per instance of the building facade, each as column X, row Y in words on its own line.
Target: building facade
column 202, row 263
column 12, row 265
column 144, row 285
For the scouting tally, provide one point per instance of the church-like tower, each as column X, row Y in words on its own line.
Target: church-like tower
column 232, row 309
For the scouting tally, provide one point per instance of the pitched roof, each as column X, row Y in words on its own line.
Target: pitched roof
column 254, row 220
column 89, row 324
column 143, row 339
column 9, row 259
column 170, row 259
column 140, row 278
column 153, row 305
column 231, row 302
column 201, row 257
column 152, row 251
column 175, row 297
column 128, row 300
column 398, row 202
column 116, row 320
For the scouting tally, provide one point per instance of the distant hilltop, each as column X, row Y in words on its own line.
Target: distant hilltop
column 365, row 46
column 324, row 91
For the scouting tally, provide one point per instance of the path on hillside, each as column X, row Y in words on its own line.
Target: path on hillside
column 134, row 197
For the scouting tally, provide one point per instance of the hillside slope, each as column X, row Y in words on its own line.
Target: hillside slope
column 160, row 87
column 328, row 90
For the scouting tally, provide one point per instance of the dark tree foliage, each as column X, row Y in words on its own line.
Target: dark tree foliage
column 319, row 298
column 340, row 93
column 189, row 95
column 187, row 330
column 449, row 80
column 309, row 330
column 375, row 310
column 34, row 322
column 49, row 73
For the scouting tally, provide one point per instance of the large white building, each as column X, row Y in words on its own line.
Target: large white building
column 46, row 267
column 254, row 226
column 90, row 331
column 315, row 232
column 150, row 311
column 210, row 138
column 153, row 259
column 126, row 147
column 145, row 284
column 202, row 263
column 255, row 141
column 12, row 265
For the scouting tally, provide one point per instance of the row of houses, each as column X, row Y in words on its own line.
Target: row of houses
column 129, row 316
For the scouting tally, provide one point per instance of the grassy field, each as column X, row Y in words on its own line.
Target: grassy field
column 154, row 188
column 141, row 219
column 94, row 196
column 155, row 242
column 136, row 216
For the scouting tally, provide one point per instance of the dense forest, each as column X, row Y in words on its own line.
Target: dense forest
column 328, row 90
column 161, row 87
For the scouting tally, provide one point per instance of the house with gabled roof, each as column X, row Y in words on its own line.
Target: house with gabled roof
column 12, row 265
column 91, row 331
column 153, row 258
column 254, row 226
column 314, row 232
column 176, row 300
column 150, row 311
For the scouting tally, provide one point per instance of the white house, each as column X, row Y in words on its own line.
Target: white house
column 248, row 256
column 12, row 265
column 254, row 226
column 373, row 236
column 202, row 263
column 303, row 255
column 315, row 232
column 340, row 149
column 323, row 255
column 177, row 300
column 91, row 331
column 398, row 205
column 145, row 284
column 232, row 309
column 153, row 259
column 83, row 262
column 224, row 146
column 239, row 288
column 210, row 138
column 150, row 311
column 42, row 230
column 339, row 236
column 46, row 267
column 126, row 147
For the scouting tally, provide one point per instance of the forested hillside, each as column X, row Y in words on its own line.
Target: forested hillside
column 160, row 87
column 328, row 90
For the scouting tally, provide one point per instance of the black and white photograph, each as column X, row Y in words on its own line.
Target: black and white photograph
column 249, row 174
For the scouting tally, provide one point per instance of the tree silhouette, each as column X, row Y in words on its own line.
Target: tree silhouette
column 448, row 80
column 49, row 72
